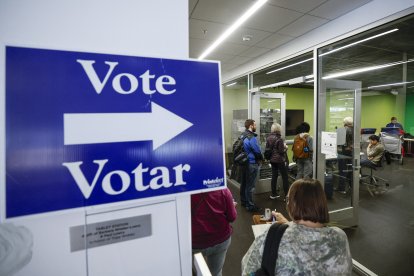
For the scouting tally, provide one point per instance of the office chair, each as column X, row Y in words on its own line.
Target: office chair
column 374, row 183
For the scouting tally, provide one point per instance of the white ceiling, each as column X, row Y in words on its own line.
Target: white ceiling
column 276, row 23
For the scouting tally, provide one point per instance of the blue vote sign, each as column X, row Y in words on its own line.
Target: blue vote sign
column 84, row 129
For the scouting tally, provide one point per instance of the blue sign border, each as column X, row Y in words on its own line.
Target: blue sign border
column 43, row 85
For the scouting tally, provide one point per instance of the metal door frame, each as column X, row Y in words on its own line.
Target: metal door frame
column 346, row 216
column 263, row 185
column 254, row 112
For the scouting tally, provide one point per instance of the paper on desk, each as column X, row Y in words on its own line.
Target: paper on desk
column 258, row 229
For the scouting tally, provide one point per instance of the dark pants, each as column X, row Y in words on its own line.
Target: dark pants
column 248, row 184
column 368, row 163
column 276, row 168
column 345, row 170
column 243, row 178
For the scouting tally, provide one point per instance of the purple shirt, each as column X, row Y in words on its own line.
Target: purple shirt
column 211, row 214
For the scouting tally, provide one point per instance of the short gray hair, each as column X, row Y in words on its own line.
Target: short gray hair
column 276, row 128
column 348, row 121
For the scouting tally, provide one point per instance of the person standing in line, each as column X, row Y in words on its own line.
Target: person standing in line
column 308, row 246
column 304, row 165
column 345, row 161
column 278, row 159
column 255, row 158
column 211, row 215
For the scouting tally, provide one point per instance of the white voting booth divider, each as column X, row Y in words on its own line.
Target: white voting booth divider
column 135, row 236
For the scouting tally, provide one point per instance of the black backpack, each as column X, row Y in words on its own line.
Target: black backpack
column 271, row 249
column 239, row 154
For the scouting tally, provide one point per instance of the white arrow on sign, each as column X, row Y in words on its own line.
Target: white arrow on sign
column 160, row 126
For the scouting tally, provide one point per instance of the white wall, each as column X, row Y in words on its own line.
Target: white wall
column 365, row 17
column 156, row 28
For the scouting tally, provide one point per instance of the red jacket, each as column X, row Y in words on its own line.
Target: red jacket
column 211, row 214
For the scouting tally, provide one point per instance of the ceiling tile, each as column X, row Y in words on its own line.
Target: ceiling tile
column 221, row 11
column 221, row 57
column 335, row 8
column 191, row 6
column 271, row 18
column 197, row 46
column 297, row 5
column 256, row 36
column 213, row 30
column 254, row 52
column 274, row 40
column 231, row 48
column 303, row 25
column 227, row 67
column 239, row 60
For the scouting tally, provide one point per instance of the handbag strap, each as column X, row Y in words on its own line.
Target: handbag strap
column 271, row 247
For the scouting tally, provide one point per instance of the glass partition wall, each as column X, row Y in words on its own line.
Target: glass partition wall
column 283, row 94
column 235, row 108
column 369, row 78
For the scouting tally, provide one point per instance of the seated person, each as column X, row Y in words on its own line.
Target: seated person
column 375, row 150
column 308, row 246
column 394, row 123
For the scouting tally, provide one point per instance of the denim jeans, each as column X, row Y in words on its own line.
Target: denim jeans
column 215, row 256
column 252, row 172
column 304, row 168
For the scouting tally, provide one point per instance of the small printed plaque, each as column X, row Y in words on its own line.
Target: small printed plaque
column 108, row 232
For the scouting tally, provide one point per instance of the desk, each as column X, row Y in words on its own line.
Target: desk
column 260, row 229
column 257, row 220
column 259, row 226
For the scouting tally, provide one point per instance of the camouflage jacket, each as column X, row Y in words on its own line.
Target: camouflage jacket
column 304, row 251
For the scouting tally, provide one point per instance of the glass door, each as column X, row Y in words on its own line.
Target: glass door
column 339, row 142
column 266, row 109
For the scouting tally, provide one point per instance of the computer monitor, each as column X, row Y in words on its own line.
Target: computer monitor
column 392, row 130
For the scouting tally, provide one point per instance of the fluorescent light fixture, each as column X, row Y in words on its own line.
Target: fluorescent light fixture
column 274, row 84
column 231, row 84
column 279, row 69
column 345, row 99
column 233, row 27
column 389, row 84
column 357, row 42
column 394, row 92
column 309, row 78
column 365, row 69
